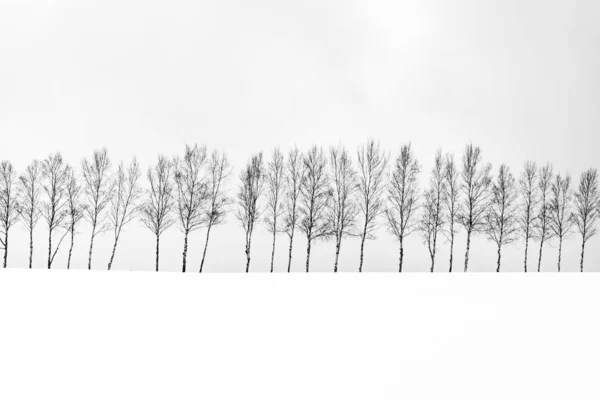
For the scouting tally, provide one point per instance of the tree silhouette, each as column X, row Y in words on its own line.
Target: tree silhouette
column 9, row 204
column 402, row 196
column 252, row 181
column 342, row 208
column 501, row 222
column 98, row 190
column 542, row 222
column 587, row 208
column 156, row 212
column 30, row 190
column 275, row 188
column 528, row 187
column 55, row 177
column 219, row 171
column 192, row 192
column 315, row 195
column 433, row 217
column 476, row 182
column 372, row 178
column 125, row 202
column 451, row 202
column 294, row 179
column 561, row 218
column 75, row 209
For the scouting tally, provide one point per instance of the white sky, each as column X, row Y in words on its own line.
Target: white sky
column 520, row 79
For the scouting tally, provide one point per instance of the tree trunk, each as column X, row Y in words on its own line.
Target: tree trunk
column 91, row 248
column 308, row 255
column 30, row 248
column 499, row 258
column 290, row 251
column 70, row 250
column 185, row 248
column 451, row 251
column 273, row 250
column 114, row 249
column 157, row 250
column 582, row 253
column 248, row 255
column 5, row 248
column 338, row 244
column 205, row 247
column 401, row 257
column 49, row 249
column 362, row 247
column 467, row 250
column 559, row 252
column 526, row 248
column 540, row 256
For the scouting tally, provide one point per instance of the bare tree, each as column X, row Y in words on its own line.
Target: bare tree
column 528, row 187
column 476, row 182
column 190, row 182
column 315, row 195
column 251, row 188
column 372, row 177
column 125, row 202
column 501, row 218
column 9, row 204
column 156, row 212
column 294, row 179
column 30, row 188
column 343, row 208
column 54, row 208
column 275, row 187
column 98, row 190
column 433, row 217
column 542, row 223
column 219, row 171
column 75, row 209
column 561, row 218
column 451, row 202
column 402, row 196
column 587, row 208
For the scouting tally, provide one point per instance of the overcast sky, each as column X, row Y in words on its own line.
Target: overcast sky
column 518, row 78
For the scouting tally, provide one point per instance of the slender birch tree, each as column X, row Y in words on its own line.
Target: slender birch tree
column 191, row 193
column 30, row 190
column 294, row 179
column 275, row 187
column 476, row 182
column 501, row 218
column 219, row 171
column 587, row 208
column 403, row 193
column 98, row 190
column 343, row 209
column 528, row 187
column 54, row 206
column 542, row 222
column 372, row 178
column 9, row 204
column 157, row 210
column 252, row 181
column 433, row 217
column 125, row 204
column 451, row 202
column 561, row 217
column 315, row 195
column 75, row 209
